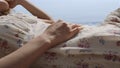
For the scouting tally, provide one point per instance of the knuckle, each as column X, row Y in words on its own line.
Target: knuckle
column 64, row 24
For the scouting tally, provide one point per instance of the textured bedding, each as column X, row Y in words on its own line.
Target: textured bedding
column 94, row 46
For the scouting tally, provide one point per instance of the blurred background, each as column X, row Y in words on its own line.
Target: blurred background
column 76, row 11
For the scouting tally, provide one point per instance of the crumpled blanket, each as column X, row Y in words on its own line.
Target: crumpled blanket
column 94, row 46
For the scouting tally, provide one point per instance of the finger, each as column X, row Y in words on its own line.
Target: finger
column 75, row 25
column 48, row 21
column 76, row 30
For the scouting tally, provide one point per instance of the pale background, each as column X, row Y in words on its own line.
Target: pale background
column 77, row 11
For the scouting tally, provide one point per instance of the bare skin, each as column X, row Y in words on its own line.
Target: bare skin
column 55, row 34
column 5, row 5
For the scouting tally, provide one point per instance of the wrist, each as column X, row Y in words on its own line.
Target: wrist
column 41, row 41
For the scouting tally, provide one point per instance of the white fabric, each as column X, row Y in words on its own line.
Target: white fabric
column 93, row 47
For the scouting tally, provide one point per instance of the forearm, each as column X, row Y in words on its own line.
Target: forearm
column 34, row 10
column 26, row 55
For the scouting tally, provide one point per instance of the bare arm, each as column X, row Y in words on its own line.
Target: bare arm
column 34, row 10
column 31, row 8
column 26, row 55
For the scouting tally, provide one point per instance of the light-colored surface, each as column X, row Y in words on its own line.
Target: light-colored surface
column 93, row 47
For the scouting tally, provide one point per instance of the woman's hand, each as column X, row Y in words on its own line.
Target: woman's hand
column 60, row 32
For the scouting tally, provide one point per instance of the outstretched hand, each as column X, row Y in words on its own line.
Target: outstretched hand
column 60, row 32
